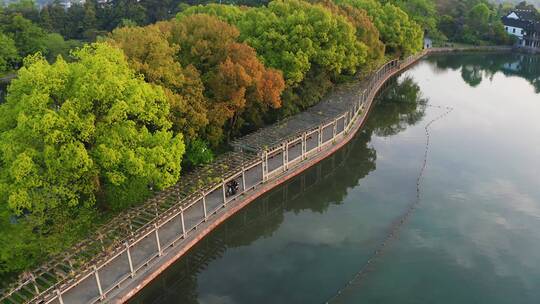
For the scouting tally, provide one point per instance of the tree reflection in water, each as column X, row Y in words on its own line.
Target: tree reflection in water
column 475, row 67
column 398, row 106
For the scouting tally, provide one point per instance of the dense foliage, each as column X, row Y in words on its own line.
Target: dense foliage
column 9, row 56
column 366, row 31
column 472, row 21
column 323, row 45
column 71, row 132
column 398, row 32
column 22, row 37
column 222, row 80
column 150, row 53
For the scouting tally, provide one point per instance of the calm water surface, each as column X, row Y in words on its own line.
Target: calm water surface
column 473, row 238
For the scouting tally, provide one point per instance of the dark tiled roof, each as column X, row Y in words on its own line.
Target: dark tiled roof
column 514, row 22
column 528, row 20
column 528, row 15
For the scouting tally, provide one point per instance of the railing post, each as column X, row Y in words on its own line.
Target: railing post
column 244, row 178
column 129, row 259
column 224, row 193
column 98, row 283
column 59, row 296
column 286, row 155
column 204, row 206
column 265, row 165
column 366, row 97
column 35, row 283
column 157, row 239
column 304, row 145
column 183, row 224
column 320, row 138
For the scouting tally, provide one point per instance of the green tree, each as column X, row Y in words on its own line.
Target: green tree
column 198, row 153
column 449, row 27
column 127, row 10
column 424, row 13
column 477, row 26
column 90, row 22
column 473, row 22
column 57, row 18
column 74, row 21
column 365, row 29
column 292, row 35
column 71, row 132
column 228, row 13
column 45, row 20
column 399, row 33
column 403, row 34
column 28, row 37
column 27, row 8
column 523, row 5
column 9, row 56
column 157, row 10
column 479, row 16
column 55, row 45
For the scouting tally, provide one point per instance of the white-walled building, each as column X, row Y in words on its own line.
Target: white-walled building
column 525, row 25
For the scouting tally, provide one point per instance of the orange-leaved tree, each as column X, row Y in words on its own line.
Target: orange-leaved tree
column 149, row 52
column 235, row 79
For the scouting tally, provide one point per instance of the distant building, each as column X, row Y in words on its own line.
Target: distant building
column 525, row 26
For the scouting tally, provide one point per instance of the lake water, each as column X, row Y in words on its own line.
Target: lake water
column 472, row 237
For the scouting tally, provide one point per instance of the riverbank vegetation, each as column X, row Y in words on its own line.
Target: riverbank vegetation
column 113, row 100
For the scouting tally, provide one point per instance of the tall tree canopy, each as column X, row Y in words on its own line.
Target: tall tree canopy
column 424, row 13
column 150, row 53
column 234, row 78
column 472, row 22
column 319, row 37
column 209, row 77
column 72, row 131
column 365, row 29
column 9, row 56
column 28, row 37
column 228, row 13
column 398, row 32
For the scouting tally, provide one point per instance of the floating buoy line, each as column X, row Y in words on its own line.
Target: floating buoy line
column 396, row 226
